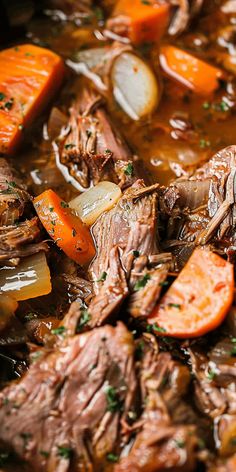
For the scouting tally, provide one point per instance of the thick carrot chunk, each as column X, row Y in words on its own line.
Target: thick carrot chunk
column 29, row 77
column 198, row 300
column 190, row 71
column 146, row 20
column 67, row 229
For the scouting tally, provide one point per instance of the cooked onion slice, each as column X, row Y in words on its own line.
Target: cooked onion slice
column 90, row 204
column 134, row 86
column 30, row 279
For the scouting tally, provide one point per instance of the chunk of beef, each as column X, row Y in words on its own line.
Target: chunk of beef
column 19, row 240
column 93, row 149
column 65, row 414
column 13, row 194
column 215, row 394
column 127, row 255
column 209, row 217
column 160, row 444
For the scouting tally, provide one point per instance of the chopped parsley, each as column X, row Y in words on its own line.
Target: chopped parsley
column 64, row 205
column 2, row 96
column 174, row 305
column 224, row 106
column 201, row 443
column 108, row 151
column 29, row 54
column 44, row 453
column 233, row 351
column 142, row 282
column 112, row 457
column 51, row 209
column 113, row 401
column 180, row 443
column 211, row 374
column 206, row 105
column 84, row 319
column 59, row 331
column 164, row 284
column 103, row 277
column 203, row 143
column 145, row 2
column 69, row 146
column 53, row 222
column 136, row 253
column 99, row 14
column 64, row 452
column 8, row 105
column 139, row 350
column 157, row 328
column 129, row 170
column 36, row 355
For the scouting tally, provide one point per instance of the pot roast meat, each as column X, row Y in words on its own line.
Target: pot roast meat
column 13, row 195
column 65, row 414
column 20, row 240
column 127, row 259
column 160, row 444
column 93, row 149
column 210, row 216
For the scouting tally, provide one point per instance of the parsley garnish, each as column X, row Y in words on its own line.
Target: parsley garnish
column 203, row 143
column 103, row 277
column 60, row 330
column 155, row 327
column 108, row 151
column 206, row 105
column 113, row 401
column 99, row 14
column 180, row 443
column 136, row 253
column 164, row 284
column 174, row 305
column 2, row 96
column 64, row 205
column 84, row 319
column 51, row 209
column 112, row 457
column 211, row 374
column 8, row 105
column 44, row 453
column 142, row 282
column 129, row 170
column 69, row 146
column 64, row 452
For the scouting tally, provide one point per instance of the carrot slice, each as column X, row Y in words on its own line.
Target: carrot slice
column 64, row 227
column 29, row 77
column 190, row 71
column 146, row 20
column 199, row 298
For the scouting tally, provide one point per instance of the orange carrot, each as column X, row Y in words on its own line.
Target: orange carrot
column 29, row 77
column 199, row 298
column 67, row 229
column 190, row 71
column 147, row 20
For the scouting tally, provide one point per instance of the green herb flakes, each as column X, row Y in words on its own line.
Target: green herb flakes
column 142, row 282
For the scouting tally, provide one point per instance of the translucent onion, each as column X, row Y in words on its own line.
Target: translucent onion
column 92, row 203
column 135, row 86
column 30, row 279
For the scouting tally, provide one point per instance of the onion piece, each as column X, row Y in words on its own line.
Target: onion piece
column 92, row 203
column 135, row 86
column 8, row 307
column 30, row 279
